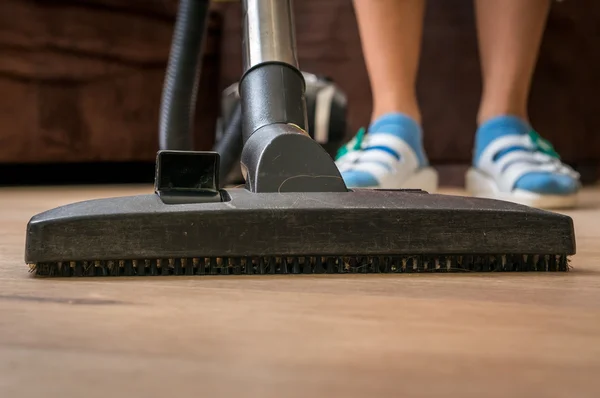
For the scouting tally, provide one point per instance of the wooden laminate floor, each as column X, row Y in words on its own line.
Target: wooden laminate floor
column 493, row 335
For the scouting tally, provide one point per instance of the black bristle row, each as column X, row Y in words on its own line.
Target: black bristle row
column 305, row 265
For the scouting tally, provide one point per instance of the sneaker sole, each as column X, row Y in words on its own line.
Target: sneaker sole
column 480, row 185
column 425, row 179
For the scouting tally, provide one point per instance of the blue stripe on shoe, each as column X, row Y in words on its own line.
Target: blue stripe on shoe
column 384, row 149
column 361, row 179
column 510, row 149
column 544, row 183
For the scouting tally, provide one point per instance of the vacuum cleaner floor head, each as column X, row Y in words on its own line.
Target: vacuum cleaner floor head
column 295, row 214
column 362, row 231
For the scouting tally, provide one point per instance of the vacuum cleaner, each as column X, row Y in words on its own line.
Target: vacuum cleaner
column 294, row 215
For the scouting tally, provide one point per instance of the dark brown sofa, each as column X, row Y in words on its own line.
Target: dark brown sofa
column 81, row 80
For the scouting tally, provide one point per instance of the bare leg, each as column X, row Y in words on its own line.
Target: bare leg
column 391, row 32
column 510, row 32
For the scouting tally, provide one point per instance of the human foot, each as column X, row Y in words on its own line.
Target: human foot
column 389, row 156
column 512, row 162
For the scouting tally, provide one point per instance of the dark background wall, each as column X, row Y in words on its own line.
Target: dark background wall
column 81, row 80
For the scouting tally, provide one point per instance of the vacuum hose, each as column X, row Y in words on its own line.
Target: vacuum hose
column 231, row 143
column 178, row 103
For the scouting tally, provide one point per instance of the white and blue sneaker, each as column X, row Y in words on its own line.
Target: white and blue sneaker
column 389, row 156
column 512, row 162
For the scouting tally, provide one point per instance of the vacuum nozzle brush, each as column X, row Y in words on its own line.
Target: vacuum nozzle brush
column 190, row 227
column 305, row 265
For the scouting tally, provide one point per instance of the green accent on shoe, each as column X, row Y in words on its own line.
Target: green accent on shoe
column 542, row 144
column 354, row 145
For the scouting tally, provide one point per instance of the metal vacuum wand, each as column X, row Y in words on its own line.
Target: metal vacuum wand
column 272, row 87
column 269, row 34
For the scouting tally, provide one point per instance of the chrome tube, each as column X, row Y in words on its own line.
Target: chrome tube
column 268, row 33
